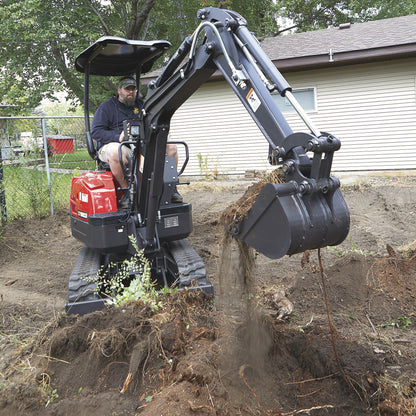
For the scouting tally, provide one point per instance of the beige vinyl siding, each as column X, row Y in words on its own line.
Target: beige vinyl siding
column 215, row 124
column 371, row 108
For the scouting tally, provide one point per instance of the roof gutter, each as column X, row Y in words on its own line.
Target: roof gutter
column 333, row 58
column 329, row 60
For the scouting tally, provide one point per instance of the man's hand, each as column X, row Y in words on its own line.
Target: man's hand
column 126, row 127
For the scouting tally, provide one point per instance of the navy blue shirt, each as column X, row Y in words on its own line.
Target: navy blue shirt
column 107, row 123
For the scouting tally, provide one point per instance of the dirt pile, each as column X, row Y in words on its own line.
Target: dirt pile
column 229, row 355
column 186, row 359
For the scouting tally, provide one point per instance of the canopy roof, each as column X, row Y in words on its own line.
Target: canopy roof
column 116, row 56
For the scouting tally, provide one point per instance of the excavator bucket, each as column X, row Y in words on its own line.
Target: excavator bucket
column 284, row 221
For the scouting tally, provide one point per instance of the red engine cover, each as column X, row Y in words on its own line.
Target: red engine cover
column 92, row 193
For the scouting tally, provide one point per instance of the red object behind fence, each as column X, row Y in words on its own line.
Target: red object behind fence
column 60, row 144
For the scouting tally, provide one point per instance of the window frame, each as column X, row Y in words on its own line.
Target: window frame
column 291, row 110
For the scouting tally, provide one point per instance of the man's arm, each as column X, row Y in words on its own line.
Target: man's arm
column 103, row 124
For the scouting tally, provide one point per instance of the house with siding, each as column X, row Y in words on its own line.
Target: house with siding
column 356, row 81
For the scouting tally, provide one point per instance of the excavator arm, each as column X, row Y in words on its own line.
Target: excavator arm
column 307, row 211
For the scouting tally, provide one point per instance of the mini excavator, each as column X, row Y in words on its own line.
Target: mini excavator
column 306, row 211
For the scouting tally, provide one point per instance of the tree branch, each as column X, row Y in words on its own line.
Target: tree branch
column 123, row 13
column 285, row 30
column 70, row 80
column 141, row 17
column 145, row 28
column 100, row 18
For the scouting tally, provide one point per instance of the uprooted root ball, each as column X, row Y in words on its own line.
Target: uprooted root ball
column 235, row 213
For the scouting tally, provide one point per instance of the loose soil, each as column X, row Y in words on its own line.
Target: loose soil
column 266, row 344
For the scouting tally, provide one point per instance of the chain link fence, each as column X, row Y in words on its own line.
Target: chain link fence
column 39, row 157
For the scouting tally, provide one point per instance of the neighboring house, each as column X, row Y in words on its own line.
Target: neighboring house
column 356, row 81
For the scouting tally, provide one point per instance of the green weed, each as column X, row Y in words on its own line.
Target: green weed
column 131, row 281
column 207, row 171
column 167, row 290
column 50, row 393
column 353, row 249
column 402, row 322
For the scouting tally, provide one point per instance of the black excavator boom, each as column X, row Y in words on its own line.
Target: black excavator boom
column 307, row 210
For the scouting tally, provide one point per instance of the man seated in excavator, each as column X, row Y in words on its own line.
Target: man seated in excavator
column 108, row 132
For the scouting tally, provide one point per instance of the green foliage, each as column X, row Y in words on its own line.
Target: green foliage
column 60, row 188
column 34, row 185
column 27, row 191
column 37, row 49
column 203, row 165
column 167, row 290
column 17, row 126
column 39, row 61
column 49, row 393
column 25, row 182
column 207, row 171
column 402, row 322
column 353, row 249
column 318, row 14
column 61, row 108
column 131, row 282
column 260, row 15
column 37, row 190
column 174, row 20
column 39, row 42
column 78, row 160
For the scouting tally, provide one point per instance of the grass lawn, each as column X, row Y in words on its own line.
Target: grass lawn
column 79, row 160
column 26, row 186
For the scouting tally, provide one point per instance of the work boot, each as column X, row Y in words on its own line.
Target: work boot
column 124, row 202
column 176, row 197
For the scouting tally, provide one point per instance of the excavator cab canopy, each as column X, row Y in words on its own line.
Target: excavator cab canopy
column 114, row 56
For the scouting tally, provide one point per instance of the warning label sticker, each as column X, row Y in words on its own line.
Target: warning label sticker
column 83, row 197
column 82, row 214
column 253, row 100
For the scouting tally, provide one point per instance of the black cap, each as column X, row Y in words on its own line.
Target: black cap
column 127, row 82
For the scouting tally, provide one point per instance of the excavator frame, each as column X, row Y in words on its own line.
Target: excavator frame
column 307, row 211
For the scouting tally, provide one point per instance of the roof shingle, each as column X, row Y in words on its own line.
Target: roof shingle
column 358, row 37
column 376, row 40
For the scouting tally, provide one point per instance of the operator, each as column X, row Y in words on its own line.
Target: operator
column 107, row 131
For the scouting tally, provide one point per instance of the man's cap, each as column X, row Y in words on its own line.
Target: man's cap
column 127, row 82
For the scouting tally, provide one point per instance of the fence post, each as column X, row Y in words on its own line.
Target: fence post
column 48, row 174
column 3, row 211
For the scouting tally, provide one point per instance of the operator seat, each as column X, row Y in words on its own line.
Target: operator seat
column 94, row 154
column 102, row 165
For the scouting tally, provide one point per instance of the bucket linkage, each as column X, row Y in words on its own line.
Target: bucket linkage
column 305, row 212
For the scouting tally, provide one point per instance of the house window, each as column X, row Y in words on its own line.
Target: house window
column 305, row 96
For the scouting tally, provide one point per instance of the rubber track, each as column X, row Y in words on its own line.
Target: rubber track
column 190, row 265
column 86, row 265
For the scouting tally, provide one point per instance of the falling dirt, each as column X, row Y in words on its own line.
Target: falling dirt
column 232, row 216
column 261, row 346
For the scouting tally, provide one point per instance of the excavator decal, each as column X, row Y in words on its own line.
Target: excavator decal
column 253, row 100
